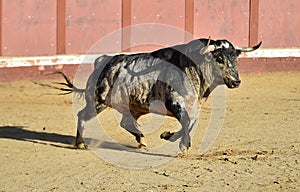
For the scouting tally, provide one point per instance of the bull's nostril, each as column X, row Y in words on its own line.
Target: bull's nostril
column 237, row 83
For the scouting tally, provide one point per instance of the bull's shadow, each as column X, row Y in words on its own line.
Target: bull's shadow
column 119, row 147
column 20, row 133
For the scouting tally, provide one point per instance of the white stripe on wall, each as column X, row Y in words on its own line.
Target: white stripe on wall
column 89, row 58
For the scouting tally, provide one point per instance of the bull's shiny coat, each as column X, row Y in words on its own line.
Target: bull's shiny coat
column 181, row 77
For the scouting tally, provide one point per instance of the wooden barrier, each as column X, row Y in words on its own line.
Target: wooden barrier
column 45, row 33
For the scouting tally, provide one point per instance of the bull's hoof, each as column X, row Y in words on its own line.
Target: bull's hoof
column 82, row 146
column 141, row 146
column 142, row 142
column 166, row 135
column 184, row 149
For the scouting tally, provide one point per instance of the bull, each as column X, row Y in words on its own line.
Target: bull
column 178, row 76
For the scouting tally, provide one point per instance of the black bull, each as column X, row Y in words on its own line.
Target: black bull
column 181, row 77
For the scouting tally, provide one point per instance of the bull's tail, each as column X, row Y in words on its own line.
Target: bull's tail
column 69, row 87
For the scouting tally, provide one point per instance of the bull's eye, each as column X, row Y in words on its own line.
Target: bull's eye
column 219, row 59
column 208, row 57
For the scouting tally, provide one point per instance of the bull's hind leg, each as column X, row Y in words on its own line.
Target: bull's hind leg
column 129, row 123
column 88, row 112
column 83, row 116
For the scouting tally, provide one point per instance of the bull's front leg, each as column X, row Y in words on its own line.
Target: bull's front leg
column 173, row 136
column 180, row 113
column 129, row 123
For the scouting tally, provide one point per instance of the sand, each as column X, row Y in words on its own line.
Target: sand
column 258, row 148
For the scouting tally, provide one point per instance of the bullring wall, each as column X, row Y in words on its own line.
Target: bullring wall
column 55, row 33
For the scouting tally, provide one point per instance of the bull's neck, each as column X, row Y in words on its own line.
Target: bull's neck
column 202, row 87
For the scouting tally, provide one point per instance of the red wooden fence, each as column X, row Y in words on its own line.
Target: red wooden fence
column 49, row 27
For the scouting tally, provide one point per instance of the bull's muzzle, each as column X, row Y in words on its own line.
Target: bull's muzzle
column 231, row 84
column 236, row 84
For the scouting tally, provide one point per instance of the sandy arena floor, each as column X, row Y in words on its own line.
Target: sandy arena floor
column 258, row 148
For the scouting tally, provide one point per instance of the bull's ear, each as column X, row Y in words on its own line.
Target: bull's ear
column 207, row 72
column 238, row 52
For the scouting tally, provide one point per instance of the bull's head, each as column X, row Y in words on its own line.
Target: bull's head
column 224, row 54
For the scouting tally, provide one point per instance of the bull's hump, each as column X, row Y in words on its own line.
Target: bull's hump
column 144, row 62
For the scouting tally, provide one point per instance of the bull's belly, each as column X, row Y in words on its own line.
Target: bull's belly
column 139, row 100
column 154, row 106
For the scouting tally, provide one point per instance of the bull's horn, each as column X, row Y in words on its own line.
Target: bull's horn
column 248, row 49
column 207, row 49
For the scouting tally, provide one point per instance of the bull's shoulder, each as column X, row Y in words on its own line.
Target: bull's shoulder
column 129, row 58
column 169, row 53
column 164, row 54
column 133, row 62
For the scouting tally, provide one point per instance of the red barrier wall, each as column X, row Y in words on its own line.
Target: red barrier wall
column 223, row 19
column 28, row 27
column 87, row 21
column 279, row 23
column 48, row 27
